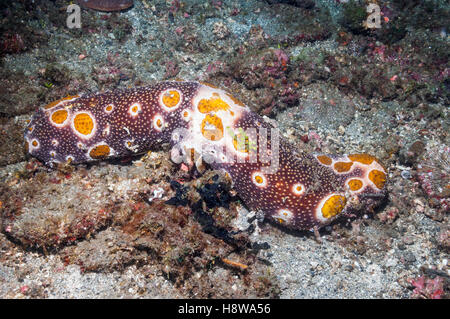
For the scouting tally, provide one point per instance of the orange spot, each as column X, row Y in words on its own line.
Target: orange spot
column 59, row 117
column 158, row 123
column 83, row 123
column 109, row 108
column 209, row 84
column 355, row 184
column 213, row 104
column 342, row 166
column 30, row 129
column 362, row 158
column 185, row 113
column 235, row 100
column 325, row 160
column 54, row 103
column 134, row 109
column 378, row 178
column 298, row 189
column 212, row 128
column 35, row 143
column 259, row 179
column 100, row 151
column 333, row 206
column 171, row 98
column 50, row 105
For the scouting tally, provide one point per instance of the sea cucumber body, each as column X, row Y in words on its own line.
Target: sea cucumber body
column 300, row 191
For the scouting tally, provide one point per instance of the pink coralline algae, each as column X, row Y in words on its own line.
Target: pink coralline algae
column 428, row 288
column 106, row 5
column 278, row 65
column 12, row 43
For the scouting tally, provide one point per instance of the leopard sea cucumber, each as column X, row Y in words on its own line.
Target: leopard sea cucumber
column 200, row 121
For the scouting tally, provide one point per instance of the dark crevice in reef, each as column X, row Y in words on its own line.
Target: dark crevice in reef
column 212, row 195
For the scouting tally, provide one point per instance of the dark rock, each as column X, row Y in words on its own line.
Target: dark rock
column 106, row 5
column 306, row 4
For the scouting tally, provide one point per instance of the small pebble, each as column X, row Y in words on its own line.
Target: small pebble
column 406, row 174
column 408, row 240
column 348, row 268
column 409, row 257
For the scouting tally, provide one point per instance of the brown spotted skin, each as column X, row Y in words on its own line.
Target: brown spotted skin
column 300, row 191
